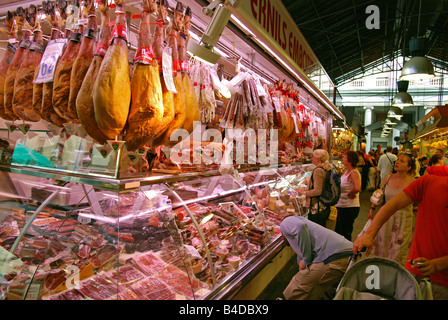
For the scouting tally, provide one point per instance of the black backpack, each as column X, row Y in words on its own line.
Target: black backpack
column 332, row 188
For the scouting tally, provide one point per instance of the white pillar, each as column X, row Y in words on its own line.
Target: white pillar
column 368, row 122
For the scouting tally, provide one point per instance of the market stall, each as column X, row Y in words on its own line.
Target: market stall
column 431, row 132
column 148, row 172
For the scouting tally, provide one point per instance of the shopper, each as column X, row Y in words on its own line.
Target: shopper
column 361, row 168
column 318, row 212
column 385, row 163
column 394, row 239
column 423, row 165
column 417, row 162
column 436, row 166
column 373, row 171
column 378, row 153
column 348, row 205
column 322, row 255
column 429, row 249
column 445, row 159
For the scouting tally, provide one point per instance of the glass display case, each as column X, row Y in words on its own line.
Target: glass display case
column 184, row 236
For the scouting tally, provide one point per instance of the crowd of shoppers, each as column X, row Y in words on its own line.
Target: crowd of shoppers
column 396, row 232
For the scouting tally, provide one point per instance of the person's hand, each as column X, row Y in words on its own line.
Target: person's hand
column 364, row 241
column 301, row 265
column 425, row 266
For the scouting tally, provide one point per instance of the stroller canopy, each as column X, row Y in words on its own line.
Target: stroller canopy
column 377, row 278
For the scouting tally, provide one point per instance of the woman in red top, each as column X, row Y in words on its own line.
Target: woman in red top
column 436, row 166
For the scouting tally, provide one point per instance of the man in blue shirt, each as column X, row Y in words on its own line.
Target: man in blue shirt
column 322, row 255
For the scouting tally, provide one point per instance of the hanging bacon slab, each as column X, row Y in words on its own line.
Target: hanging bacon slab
column 84, row 101
column 112, row 88
column 146, row 112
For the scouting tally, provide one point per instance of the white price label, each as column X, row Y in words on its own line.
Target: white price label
column 51, row 56
column 167, row 65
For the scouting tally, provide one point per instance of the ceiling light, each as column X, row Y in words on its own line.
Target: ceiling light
column 395, row 112
column 418, row 68
column 390, row 122
column 402, row 98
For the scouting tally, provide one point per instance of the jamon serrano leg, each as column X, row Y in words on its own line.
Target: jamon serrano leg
column 84, row 101
column 112, row 88
column 146, row 111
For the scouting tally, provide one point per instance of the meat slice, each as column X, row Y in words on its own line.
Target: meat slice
column 84, row 101
column 83, row 60
column 146, row 110
column 11, row 48
column 23, row 85
column 112, row 88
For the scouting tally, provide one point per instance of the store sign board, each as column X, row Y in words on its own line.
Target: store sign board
column 273, row 18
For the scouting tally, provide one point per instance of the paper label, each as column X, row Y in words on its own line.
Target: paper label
column 184, row 66
column 101, row 49
column 167, row 65
column 144, row 55
column 119, row 31
column 52, row 53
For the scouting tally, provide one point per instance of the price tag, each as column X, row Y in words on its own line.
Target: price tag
column 167, row 65
column 52, row 53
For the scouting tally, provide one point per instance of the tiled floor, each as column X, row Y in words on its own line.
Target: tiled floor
column 275, row 288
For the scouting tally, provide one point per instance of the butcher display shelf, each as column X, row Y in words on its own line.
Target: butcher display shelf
column 193, row 237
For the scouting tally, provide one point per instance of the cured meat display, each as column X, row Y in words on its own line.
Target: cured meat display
column 84, row 101
column 23, row 86
column 83, row 60
column 62, row 75
column 16, row 61
column 11, row 31
column 146, row 112
column 112, row 88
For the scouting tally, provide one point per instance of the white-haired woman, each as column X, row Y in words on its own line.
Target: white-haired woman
column 318, row 212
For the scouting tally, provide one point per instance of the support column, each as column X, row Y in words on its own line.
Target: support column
column 368, row 122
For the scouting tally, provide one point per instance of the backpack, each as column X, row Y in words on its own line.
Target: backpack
column 332, row 189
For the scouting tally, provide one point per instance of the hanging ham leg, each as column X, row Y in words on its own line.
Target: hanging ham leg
column 61, row 83
column 179, row 97
column 47, row 111
column 84, row 101
column 83, row 60
column 14, row 66
column 11, row 31
column 112, row 88
column 146, row 112
column 191, row 102
column 168, row 98
column 23, row 86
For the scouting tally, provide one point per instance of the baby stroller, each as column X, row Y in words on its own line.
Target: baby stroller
column 375, row 278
